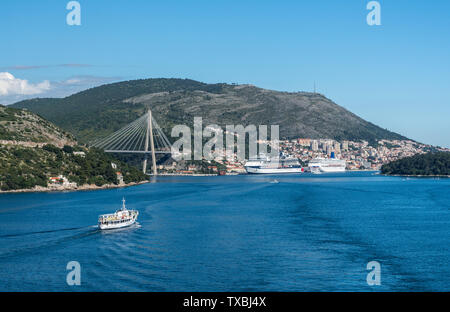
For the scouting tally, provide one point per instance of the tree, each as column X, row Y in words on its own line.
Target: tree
column 68, row 149
column 433, row 163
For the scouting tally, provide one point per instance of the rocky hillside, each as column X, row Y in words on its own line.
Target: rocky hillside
column 24, row 126
column 102, row 110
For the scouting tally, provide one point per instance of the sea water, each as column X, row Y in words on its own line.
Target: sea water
column 234, row 233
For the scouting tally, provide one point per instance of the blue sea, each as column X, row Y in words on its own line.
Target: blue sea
column 234, row 233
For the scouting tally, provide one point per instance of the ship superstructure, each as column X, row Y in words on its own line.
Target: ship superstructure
column 324, row 165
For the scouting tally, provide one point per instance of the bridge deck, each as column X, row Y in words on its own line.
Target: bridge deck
column 137, row 152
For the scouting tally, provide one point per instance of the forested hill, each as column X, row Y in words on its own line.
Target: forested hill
column 102, row 110
column 431, row 164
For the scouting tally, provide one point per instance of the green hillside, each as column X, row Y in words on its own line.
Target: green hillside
column 24, row 167
column 429, row 164
column 102, row 110
column 29, row 155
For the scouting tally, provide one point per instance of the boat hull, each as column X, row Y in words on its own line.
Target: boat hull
column 328, row 170
column 105, row 226
column 253, row 170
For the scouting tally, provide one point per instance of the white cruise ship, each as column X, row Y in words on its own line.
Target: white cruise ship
column 273, row 166
column 323, row 165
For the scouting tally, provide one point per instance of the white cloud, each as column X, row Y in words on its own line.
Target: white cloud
column 10, row 85
column 11, row 90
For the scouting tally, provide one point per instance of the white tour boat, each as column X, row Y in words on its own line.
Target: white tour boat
column 121, row 218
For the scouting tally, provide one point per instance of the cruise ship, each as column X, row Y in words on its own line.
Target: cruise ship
column 324, row 165
column 279, row 165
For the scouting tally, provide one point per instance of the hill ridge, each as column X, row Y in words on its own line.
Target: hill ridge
column 101, row 110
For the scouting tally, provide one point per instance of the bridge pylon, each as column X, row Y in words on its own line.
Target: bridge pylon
column 142, row 136
column 149, row 133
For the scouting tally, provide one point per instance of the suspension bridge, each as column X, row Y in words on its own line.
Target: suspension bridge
column 142, row 136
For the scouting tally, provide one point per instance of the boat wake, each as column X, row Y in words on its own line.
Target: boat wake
column 23, row 246
column 46, row 231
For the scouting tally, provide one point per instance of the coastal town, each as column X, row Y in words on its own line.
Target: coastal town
column 358, row 155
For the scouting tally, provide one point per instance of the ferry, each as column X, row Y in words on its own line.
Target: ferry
column 121, row 218
column 279, row 165
column 326, row 165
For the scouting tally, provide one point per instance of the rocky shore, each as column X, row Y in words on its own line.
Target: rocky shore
column 86, row 187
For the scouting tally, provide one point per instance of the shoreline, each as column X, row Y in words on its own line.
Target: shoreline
column 93, row 187
column 416, row 176
column 86, row 187
column 186, row 175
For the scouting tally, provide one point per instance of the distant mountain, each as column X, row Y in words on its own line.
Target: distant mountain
column 102, row 110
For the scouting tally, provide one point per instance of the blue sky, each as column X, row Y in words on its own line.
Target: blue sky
column 396, row 75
